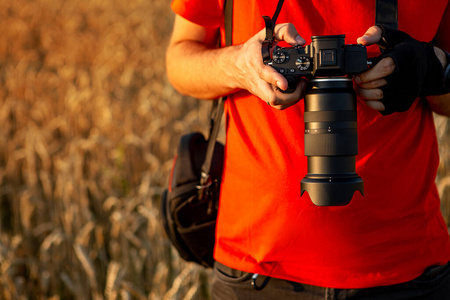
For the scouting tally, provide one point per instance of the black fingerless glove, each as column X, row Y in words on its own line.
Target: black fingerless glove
column 418, row 71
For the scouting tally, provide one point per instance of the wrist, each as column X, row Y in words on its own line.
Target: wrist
column 233, row 67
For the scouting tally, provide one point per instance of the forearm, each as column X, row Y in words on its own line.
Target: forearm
column 195, row 67
column 197, row 70
column 440, row 104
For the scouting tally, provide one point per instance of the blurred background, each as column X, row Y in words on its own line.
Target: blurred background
column 88, row 128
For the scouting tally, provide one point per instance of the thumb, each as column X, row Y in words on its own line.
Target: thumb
column 372, row 36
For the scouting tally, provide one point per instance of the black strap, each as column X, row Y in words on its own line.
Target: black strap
column 206, row 167
column 386, row 13
column 218, row 104
column 270, row 27
column 277, row 12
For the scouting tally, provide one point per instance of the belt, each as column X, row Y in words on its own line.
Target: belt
column 430, row 273
column 259, row 281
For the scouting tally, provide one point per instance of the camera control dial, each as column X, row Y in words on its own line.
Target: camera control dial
column 303, row 63
column 279, row 57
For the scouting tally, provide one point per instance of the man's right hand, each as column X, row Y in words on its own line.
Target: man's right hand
column 264, row 81
column 196, row 67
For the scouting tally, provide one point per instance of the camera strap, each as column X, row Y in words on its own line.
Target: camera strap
column 386, row 13
column 218, row 107
column 270, row 27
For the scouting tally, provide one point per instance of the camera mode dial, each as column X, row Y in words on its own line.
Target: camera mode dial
column 303, row 63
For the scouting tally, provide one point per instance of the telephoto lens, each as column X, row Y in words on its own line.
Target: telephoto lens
column 331, row 142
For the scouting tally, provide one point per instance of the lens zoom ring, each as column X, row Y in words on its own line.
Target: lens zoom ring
column 343, row 144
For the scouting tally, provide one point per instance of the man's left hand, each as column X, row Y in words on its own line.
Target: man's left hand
column 407, row 69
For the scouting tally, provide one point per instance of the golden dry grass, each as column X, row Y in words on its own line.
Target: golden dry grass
column 89, row 125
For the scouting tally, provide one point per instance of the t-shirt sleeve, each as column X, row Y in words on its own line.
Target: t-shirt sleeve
column 207, row 13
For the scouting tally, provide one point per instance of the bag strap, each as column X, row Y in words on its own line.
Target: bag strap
column 205, row 179
column 228, row 22
column 386, row 13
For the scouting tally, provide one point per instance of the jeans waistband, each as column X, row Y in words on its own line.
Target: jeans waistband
column 429, row 273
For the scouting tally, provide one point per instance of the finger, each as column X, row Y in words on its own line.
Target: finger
column 376, row 105
column 372, row 36
column 369, row 94
column 271, row 76
column 287, row 32
column 284, row 105
column 383, row 68
column 284, row 100
column 302, row 86
column 280, row 100
column 373, row 84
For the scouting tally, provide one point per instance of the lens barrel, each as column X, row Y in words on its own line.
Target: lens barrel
column 331, row 142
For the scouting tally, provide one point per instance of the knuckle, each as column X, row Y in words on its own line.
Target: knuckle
column 283, row 26
column 290, row 26
column 363, row 77
column 284, row 30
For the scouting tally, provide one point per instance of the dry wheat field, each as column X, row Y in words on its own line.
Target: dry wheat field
column 88, row 128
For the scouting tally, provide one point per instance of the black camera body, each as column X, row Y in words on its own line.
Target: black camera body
column 326, row 56
column 330, row 115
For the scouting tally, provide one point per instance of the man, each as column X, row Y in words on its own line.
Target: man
column 390, row 244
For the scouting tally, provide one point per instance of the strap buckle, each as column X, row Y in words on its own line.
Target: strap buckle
column 205, row 183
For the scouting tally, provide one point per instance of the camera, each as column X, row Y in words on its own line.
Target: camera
column 331, row 140
column 326, row 56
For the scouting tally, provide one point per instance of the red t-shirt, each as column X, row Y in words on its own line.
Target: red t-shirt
column 264, row 226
